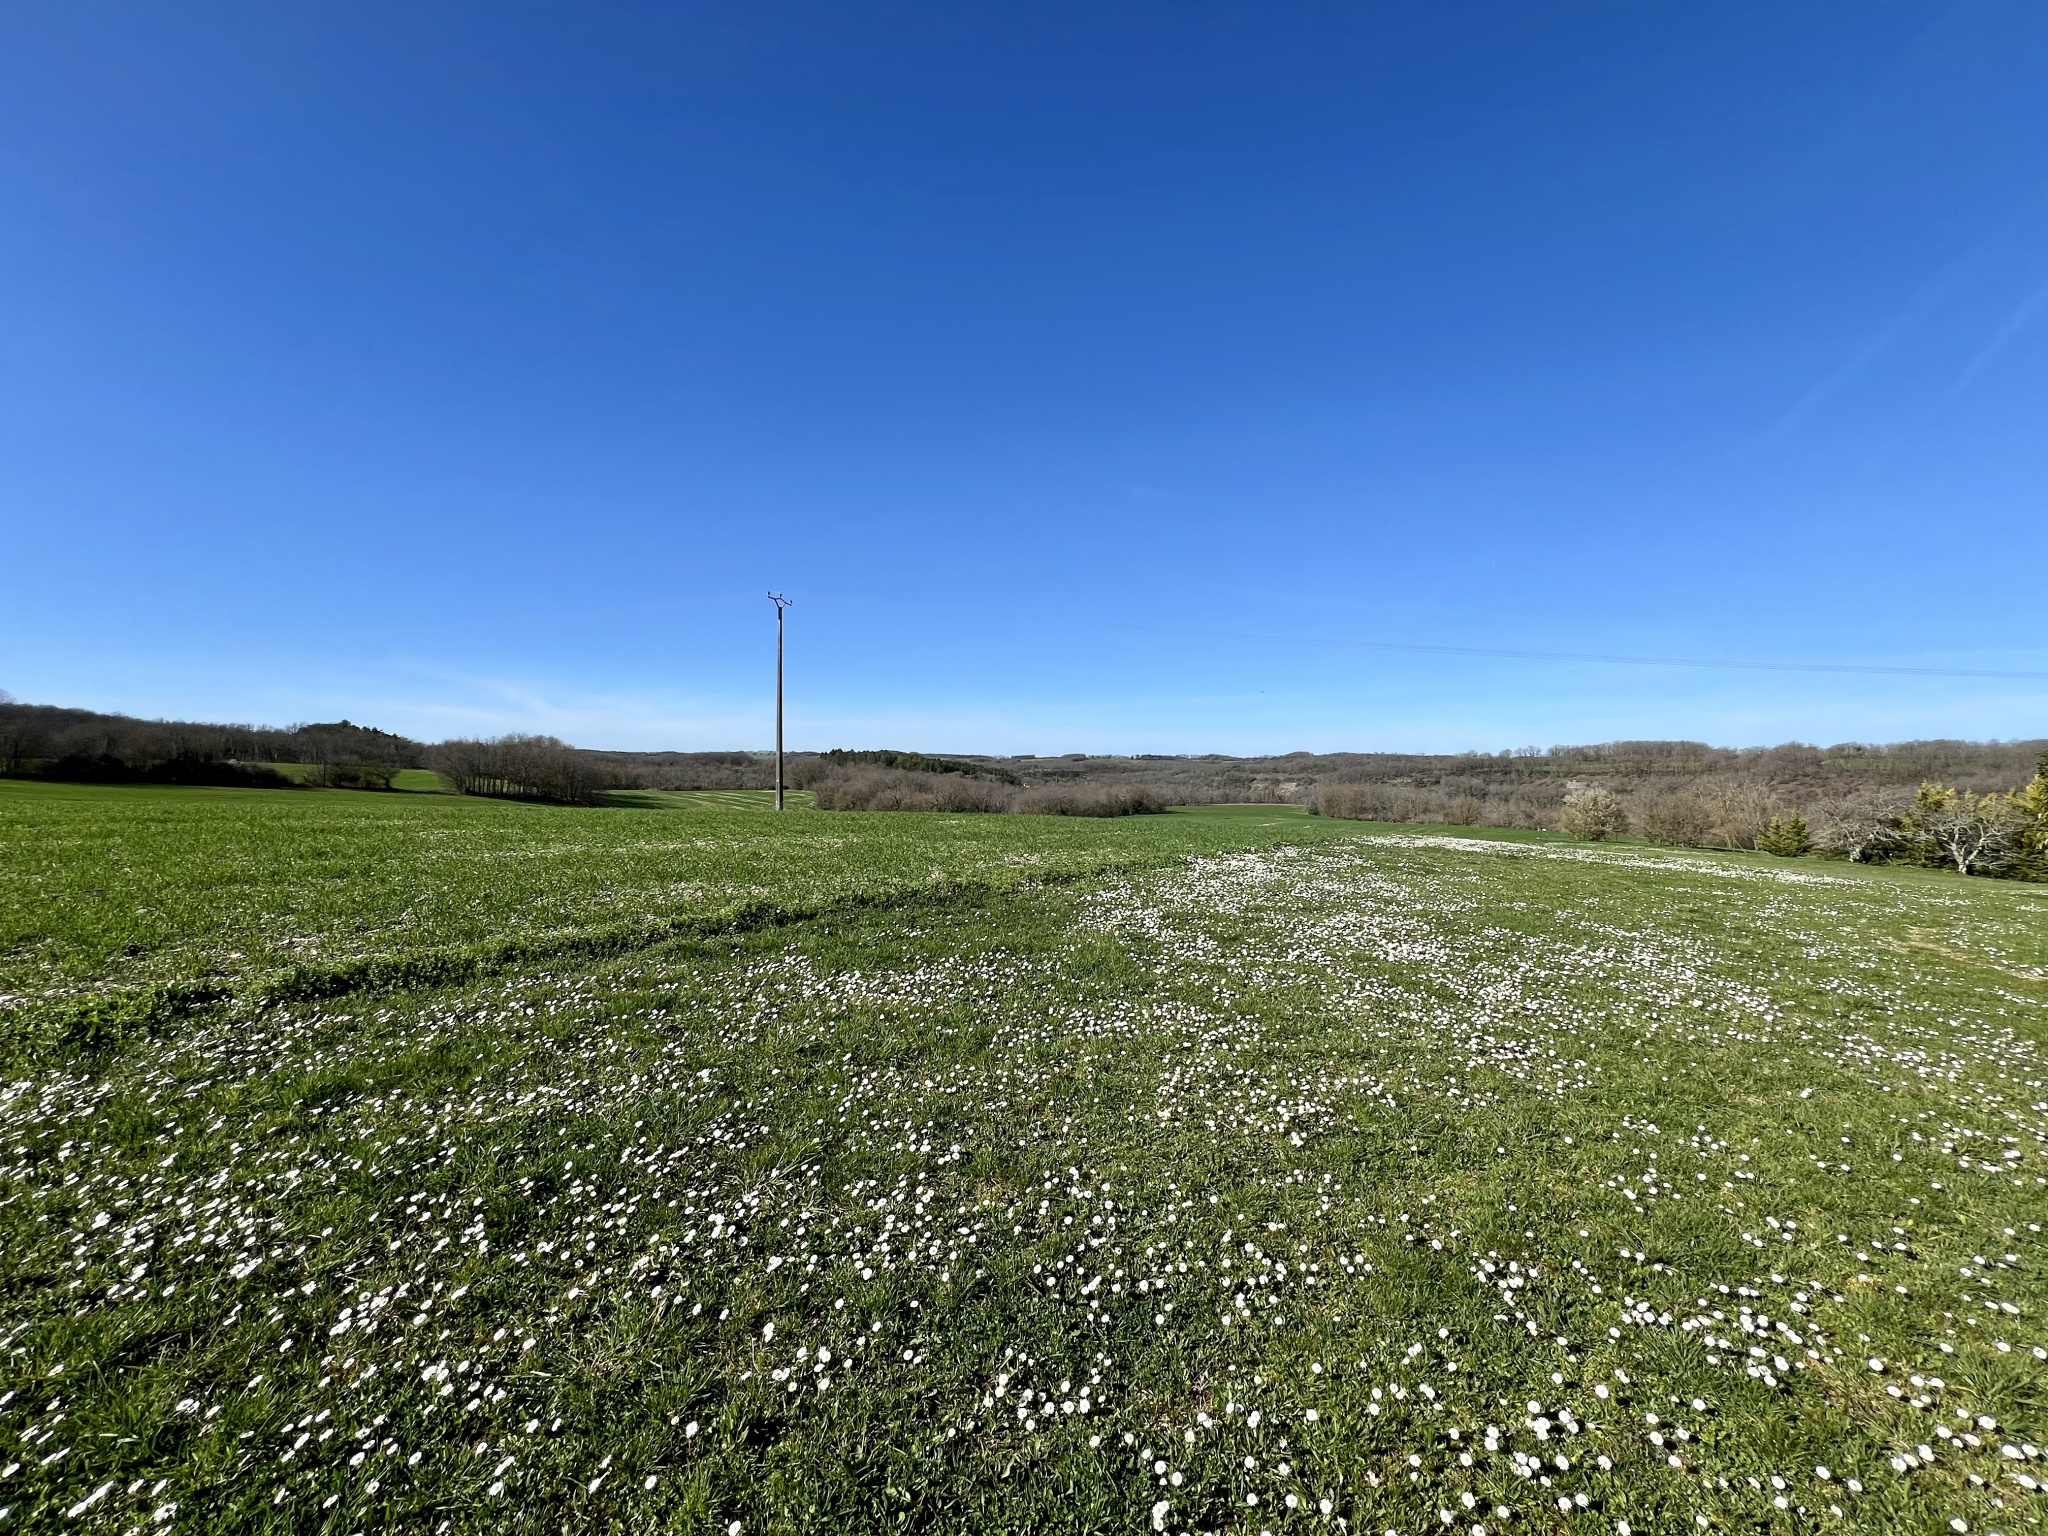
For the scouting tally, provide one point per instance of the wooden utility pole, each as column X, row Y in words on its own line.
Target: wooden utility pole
column 780, row 603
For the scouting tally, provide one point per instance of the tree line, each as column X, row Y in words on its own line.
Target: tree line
column 89, row 746
column 1941, row 803
column 862, row 788
column 1992, row 832
column 82, row 745
column 519, row 768
column 918, row 762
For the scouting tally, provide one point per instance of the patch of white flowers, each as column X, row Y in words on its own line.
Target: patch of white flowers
column 704, row 1190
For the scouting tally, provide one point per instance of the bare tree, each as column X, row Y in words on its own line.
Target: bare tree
column 1679, row 818
column 1978, row 834
column 519, row 768
column 1864, row 829
column 1738, row 812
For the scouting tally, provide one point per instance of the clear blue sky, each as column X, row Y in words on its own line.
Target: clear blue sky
column 1074, row 367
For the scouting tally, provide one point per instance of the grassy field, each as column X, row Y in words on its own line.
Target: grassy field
column 1254, row 1175
column 707, row 799
column 114, row 894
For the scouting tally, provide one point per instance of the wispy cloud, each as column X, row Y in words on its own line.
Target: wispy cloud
column 2029, row 308
column 1874, row 346
column 1925, row 302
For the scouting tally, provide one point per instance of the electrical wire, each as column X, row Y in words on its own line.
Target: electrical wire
column 1525, row 655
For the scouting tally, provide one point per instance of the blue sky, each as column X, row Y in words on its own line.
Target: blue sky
column 1094, row 377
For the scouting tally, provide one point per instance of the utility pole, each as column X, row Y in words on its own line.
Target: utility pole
column 780, row 603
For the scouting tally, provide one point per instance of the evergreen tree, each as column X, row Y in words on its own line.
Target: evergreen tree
column 1786, row 836
column 2030, row 805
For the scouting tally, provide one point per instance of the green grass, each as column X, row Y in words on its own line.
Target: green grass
column 1323, row 1156
column 420, row 781
column 128, row 891
column 707, row 799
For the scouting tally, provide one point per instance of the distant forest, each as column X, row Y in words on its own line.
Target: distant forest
column 1856, row 799
column 82, row 746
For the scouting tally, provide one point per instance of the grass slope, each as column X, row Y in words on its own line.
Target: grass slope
column 1403, row 1181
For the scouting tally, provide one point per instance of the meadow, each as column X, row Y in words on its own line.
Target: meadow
column 1197, row 1173
column 117, row 901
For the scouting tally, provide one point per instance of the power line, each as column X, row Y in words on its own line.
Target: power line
column 1523, row 655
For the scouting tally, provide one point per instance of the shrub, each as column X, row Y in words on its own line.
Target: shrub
column 1380, row 802
column 1786, row 837
column 886, row 789
column 1353, row 802
column 1735, row 814
column 357, row 775
column 1679, row 819
column 1592, row 813
column 1864, row 830
column 1090, row 800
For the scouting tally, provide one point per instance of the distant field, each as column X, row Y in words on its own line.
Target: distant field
column 412, row 780
column 1261, row 1175
column 707, row 799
